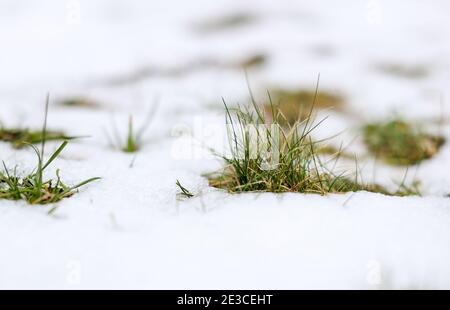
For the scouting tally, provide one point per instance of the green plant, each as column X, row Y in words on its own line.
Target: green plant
column 400, row 143
column 33, row 188
column 133, row 142
column 134, row 139
column 272, row 156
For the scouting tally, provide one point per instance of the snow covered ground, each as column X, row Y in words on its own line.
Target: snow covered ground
column 129, row 230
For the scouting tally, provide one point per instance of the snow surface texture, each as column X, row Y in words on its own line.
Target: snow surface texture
column 130, row 231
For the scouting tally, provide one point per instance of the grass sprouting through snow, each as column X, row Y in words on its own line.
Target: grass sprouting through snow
column 132, row 143
column 400, row 143
column 134, row 139
column 270, row 157
column 33, row 188
column 19, row 138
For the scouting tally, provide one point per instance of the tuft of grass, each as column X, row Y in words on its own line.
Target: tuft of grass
column 294, row 106
column 268, row 156
column 32, row 187
column 19, row 138
column 80, row 102
column 398, row 142
column 134, row 139
column 184, row 192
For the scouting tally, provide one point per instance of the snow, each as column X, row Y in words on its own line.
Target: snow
column 129, row 230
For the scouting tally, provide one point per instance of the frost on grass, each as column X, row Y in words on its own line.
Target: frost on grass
column 294, row 106
column 270, row 157
column 400, row 143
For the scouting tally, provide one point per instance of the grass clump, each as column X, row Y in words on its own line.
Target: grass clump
column 398, row 142
column 79, row 102
column 32, row 187
column 267, row 156
column 294, row 106
column 134, row 138
column 19, row 138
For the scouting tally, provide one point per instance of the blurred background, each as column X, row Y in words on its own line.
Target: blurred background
column 384, row 55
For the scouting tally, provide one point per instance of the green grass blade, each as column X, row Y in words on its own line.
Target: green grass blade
column 84, row 183
column 55, row 154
